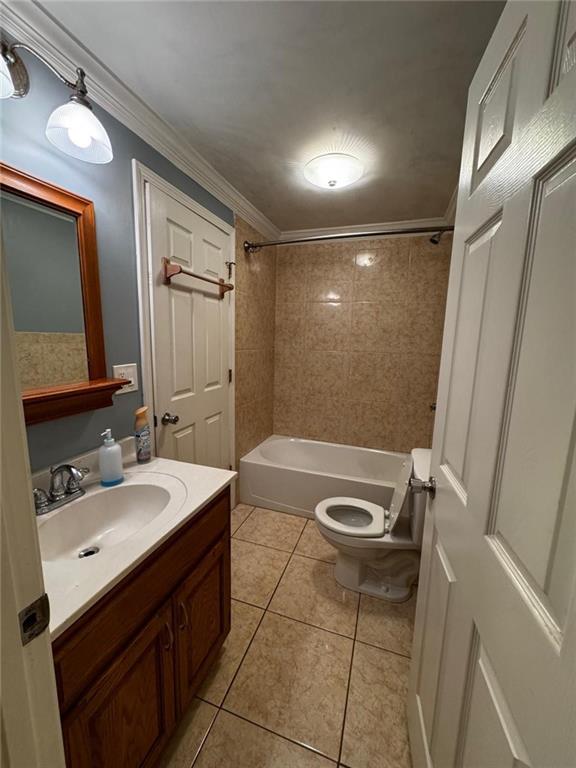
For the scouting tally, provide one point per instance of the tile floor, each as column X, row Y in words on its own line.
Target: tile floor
column 312, row 675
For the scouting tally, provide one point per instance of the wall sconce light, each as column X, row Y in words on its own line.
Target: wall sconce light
column 73, row 128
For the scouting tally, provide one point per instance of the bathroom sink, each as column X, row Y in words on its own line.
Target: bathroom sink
column 100, row 520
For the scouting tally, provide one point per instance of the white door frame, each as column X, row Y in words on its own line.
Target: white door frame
column 141, row 176
column 31, row 734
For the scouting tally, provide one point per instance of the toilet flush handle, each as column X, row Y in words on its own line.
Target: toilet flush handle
column 419, row 486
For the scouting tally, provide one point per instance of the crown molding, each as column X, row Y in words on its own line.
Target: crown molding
column 28, row 23
column 407, row 224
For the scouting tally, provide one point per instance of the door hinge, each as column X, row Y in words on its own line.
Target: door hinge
column 229, row 375
column 34, row 619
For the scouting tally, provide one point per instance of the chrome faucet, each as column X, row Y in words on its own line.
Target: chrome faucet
column 64, row 487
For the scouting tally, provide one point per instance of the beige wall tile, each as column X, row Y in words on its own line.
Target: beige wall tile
column 328, row 326
column 253, row 425
column 378, row 326
column 292, row 275
column 381, row 273
column 254, row 342
column 327, row 287
column 290, row 321
column 331, row 261
column 363, row 369
column 289, row 413
column 30, row 361
column 288, row 373
column 324, row 373
column 372, row 425
column 378, row 376
column 49, row 359
column 254, row 375
column 322, row 418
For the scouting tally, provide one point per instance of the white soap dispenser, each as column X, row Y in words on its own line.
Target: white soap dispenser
column 110, row 460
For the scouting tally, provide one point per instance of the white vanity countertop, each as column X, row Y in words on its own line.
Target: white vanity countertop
column 73, row 584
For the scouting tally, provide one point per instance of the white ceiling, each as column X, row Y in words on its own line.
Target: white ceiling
column 259, row 88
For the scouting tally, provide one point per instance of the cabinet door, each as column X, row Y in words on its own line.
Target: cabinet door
column 126, row 717
column 202, row 608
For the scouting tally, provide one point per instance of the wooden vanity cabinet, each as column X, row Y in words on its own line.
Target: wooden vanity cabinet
column 127, row 670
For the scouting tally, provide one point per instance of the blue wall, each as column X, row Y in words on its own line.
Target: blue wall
column 24, row 146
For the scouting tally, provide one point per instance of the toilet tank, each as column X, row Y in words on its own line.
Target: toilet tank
column 421, row 471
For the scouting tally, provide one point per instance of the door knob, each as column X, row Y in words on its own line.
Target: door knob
column 168, row 418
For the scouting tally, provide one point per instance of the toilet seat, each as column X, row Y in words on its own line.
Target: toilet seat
column 351, row 517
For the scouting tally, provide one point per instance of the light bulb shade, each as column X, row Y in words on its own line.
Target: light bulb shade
column 333, row 171
column 6, row 84
column 75, row 130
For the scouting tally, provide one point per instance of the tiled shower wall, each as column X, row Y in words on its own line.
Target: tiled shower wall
column 357, row 341
column 255, row 308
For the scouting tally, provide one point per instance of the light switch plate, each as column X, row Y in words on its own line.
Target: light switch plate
column 129, row 371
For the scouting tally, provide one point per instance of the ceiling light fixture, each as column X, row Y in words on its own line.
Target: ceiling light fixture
column 333, row 171
column 73, row 127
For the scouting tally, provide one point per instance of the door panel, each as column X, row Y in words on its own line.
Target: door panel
column 182, row 344
column 490, row 737
column 190, row 334
column 184, row 444
column 539, row 434
column 493, row 681
column 441, row 583
column 468, row 325
column 496, row 111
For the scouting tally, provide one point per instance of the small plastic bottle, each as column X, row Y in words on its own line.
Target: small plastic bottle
column 142, row 435
column 110, row 461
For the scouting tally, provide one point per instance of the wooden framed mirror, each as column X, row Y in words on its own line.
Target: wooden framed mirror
column 51, row 263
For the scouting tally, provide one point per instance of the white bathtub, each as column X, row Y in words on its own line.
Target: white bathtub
column 291, row 474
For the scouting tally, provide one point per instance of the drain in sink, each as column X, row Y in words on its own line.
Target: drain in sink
column 89, row 551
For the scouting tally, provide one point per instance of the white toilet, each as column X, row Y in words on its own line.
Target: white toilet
column 379, row 549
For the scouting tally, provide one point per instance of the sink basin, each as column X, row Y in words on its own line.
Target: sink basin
column 100, row 520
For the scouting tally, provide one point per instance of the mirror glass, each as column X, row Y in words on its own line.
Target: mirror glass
column 40, row 247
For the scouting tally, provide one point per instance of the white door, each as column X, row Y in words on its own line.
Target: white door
column 493, row 680
column 190, row 325
column 30, row 731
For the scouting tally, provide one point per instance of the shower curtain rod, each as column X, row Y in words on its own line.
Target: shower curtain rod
column 439, row 231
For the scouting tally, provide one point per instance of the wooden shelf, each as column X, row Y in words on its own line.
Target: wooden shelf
column 68, row 399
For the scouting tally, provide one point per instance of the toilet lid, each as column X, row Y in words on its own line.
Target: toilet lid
column 351, row 517
column 400, row 492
